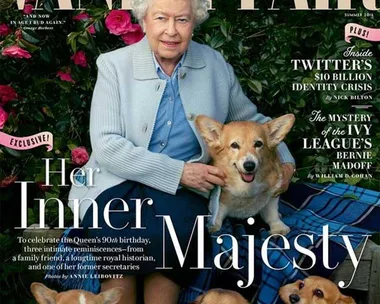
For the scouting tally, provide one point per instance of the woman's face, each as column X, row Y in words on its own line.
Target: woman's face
column 169, row 26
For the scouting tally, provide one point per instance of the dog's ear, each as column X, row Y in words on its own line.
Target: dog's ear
column 111, row 296
column 42, row 294
column 210, row 130
column 278, row 128
column 345, row 300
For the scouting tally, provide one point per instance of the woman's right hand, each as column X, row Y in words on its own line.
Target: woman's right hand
column 202, row 177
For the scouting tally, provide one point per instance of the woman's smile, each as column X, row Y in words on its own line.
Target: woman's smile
column 170, row 44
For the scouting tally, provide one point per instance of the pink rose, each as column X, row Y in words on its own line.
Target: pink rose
column 118, row 22
column 81, row 16
column 79, row 58
column 65, row 76
column 135, row 34
column 5, row 29
column 8, row 181
column 3, row 117
column 28, row 9
column 91, row 29
column 7, row 94
column 16, row 52
column 79, row 156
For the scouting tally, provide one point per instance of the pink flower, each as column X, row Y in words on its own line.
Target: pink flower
column 5, row 29
column 3, row 117
column 7, row 94
column 8, row 181
column 79, row 156
column 91, row 29
column 28, row 9
column 79, row 58
column 16, row 52
column 118, row 22
column 81, row 16
column 65, row 76
column 135, row 34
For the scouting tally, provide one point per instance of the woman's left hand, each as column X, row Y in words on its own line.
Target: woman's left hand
column 287, row 174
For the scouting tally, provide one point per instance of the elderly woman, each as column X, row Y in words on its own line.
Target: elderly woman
column 146, row 145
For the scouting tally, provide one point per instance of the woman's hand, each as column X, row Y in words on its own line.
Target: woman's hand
column 287, row 174
column 201, row 177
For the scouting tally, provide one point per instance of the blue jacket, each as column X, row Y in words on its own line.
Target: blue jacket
column 124, row 105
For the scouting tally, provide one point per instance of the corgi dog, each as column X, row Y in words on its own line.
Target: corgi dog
column 246, row 152
column 220, row 296
column 45, row 295
column 313, row 290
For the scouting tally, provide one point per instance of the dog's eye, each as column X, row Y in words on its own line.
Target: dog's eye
column 318, row 293
column 235, row 145
column 258, row 144
column 302, row 284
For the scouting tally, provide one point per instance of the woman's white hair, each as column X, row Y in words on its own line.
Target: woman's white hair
column 200, row 7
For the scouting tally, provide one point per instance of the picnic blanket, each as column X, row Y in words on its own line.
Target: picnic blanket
column 305, row 208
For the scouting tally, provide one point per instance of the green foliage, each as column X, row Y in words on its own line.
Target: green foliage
column 11, row 276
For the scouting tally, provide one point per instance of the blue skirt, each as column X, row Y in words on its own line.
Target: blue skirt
column 142, row 251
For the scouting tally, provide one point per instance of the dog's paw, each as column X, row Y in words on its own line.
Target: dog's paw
column 279, row 228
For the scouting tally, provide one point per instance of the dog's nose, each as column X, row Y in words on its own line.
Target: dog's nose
column 294, row 298
column 249, row 166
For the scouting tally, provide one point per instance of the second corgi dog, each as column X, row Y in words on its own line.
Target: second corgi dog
column 246, row 152
column 313, row 290
column 45, row 295
column 220, row 296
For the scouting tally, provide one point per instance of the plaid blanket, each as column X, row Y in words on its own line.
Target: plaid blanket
column 306, row 208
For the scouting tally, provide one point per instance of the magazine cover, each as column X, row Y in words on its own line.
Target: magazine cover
column 189, row 151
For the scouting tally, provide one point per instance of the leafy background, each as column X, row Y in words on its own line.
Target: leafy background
column 258, row 44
